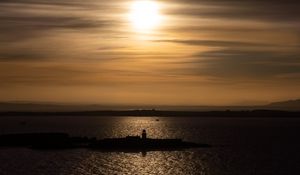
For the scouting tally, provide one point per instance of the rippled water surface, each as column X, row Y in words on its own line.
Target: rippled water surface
column 241, row 146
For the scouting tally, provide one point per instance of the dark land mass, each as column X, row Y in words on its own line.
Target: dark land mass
column 228, row 113
column 291, row 105
column 49, row 141
column 289, row 108
column 287, row 105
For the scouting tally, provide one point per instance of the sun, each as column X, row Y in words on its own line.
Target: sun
column 144, row 15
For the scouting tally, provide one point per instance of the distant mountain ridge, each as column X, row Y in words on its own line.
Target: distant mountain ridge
column 290, row 105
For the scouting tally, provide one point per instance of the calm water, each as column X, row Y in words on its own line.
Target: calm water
column 242, row 146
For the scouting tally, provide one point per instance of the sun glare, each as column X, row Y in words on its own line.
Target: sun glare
column 144, row 15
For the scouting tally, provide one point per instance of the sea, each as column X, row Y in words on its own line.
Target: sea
column 242, row 146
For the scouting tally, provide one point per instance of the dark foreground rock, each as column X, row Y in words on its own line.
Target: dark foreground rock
column 64, row 141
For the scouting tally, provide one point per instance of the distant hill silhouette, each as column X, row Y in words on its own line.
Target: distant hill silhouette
column 50, row 107
column 286, row 105
column 39, row 107
column 293, row 105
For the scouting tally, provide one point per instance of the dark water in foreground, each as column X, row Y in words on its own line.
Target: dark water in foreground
column 242, row 146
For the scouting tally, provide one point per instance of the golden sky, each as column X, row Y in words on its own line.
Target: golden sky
column 171, row 52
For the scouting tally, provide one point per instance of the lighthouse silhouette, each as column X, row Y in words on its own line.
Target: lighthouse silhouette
column 144, row 134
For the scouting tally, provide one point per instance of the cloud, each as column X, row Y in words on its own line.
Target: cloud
column 94, row 32
column 216, row 43
column 50, row 74
column 31, row 25
column 21, row 56
column 68, row 3
column 259, row 10
column 50, row 22
column 38, row 30
column 73, row 74
column 239, row 64
column 35, row 17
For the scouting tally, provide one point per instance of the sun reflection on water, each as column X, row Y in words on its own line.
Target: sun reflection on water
column 169, row 162
column 134, row 126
